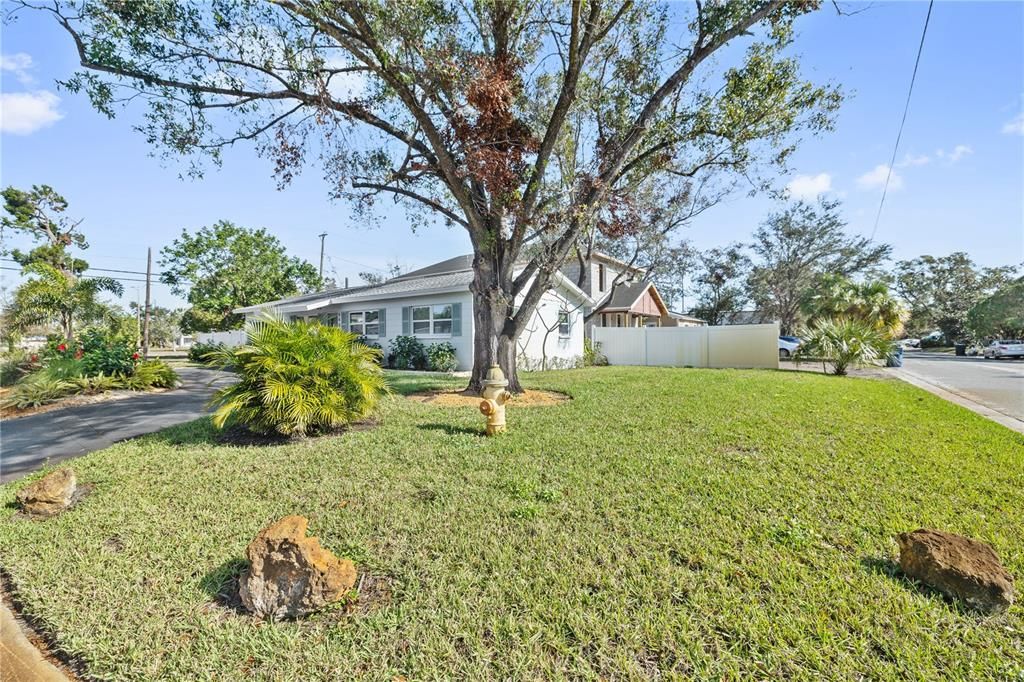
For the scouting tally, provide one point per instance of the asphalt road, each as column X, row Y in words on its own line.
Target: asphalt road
column 30, row 442
column 996, row 384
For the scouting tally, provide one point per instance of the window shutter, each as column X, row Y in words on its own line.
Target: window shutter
column 456, row 319
column 344, row 321
column 406, row 320
column 382, row 316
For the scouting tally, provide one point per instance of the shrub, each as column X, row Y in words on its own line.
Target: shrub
column 843, row 342
column 97, row 384
column 204, row 352
column 441, row 357
column 592, row 355
column 14, row 365
column 64, row 368
column 37, row 389
column 373, row 345
column 151, row 374
column 298, row 379
column 105, row 353
column 407, row 352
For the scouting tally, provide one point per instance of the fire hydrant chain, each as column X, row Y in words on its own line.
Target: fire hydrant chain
column 494, row 398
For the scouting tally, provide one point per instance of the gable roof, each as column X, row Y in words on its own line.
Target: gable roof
column 625, row 296
column 453, row 274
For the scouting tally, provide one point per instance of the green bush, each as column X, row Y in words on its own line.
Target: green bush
column 37, row 389
column 298, row 379
column 97, row 384
column 592, row 355
column 441, row 357
column 106, row 353
column 843, row 342
column 64, row 368
column 151, row 374
column 407, row 352
column 14, row 365
column 205, row 352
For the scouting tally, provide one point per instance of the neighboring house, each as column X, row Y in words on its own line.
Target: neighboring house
column 622, row 296
column 434, row 304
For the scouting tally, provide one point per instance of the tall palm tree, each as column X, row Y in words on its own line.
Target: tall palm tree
column 870, row 302
column 55, row 295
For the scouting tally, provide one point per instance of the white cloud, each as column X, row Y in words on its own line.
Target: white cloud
column 809, row 186
column 1015, row 126
column 876, row 178
column 19, row 64
column 958, row 152
column 910, row 160
column 23, row 113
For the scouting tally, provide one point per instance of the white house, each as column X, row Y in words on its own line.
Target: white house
column 434, row 304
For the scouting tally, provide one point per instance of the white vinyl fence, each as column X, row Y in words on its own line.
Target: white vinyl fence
column 742, row 345
column 235, row 337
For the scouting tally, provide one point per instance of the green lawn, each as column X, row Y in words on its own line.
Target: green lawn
column 709, row 524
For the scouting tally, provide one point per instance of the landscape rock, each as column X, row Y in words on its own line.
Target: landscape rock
column 50, row 495
column 957, row 566
column 291, row 575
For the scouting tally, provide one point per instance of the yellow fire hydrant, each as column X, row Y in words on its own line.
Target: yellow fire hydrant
column 494, row 398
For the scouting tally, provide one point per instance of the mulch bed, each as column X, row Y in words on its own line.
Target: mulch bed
column 528, row 398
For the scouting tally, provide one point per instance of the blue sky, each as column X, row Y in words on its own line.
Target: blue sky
column 958, row 184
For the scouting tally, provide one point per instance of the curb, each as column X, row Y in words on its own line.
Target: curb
column 20, row 660
column 1006, row 420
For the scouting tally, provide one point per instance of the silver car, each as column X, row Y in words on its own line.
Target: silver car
column 1004, row 348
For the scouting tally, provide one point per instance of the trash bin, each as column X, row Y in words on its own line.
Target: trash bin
column 895, row 359
column 960, row 348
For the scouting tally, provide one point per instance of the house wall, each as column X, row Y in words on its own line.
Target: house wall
column 393, row 320
column 560, row 351
column 536, row 346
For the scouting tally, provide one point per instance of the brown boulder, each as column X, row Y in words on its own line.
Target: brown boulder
column 957, row 566
column 291, row 575
column 50, row 495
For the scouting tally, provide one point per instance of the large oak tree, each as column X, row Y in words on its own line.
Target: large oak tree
column 520, row 121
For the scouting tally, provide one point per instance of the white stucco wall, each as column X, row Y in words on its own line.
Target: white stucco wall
column 537, row 344
column 560, row 351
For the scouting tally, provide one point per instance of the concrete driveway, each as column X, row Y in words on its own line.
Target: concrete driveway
column 30, row 442
column 995, row 384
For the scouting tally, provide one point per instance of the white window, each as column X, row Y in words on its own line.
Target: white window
column 563, row 323
column 432, row 319
column 365, row 323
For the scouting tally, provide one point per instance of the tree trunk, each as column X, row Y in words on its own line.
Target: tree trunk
column 494, row 340
column 69, row 327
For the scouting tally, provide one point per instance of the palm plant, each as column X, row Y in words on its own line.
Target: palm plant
column 54, row 294
column 871, row 302
column 843, row 342
column 298, row 379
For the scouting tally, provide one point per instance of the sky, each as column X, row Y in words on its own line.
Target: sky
column 957, row 185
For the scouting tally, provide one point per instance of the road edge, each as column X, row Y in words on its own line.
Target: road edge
column 1002, row 418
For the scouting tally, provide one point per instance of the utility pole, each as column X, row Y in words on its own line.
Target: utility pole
column 145, row 327
column 322, row 236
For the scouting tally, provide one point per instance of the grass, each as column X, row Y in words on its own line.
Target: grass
column 707, row 524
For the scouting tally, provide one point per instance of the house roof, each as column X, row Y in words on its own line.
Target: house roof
column 681, row 316
column 625, row 296
column 453, row 274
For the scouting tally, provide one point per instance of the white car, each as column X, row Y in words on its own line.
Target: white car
column 787, row 346
column 1004, row 348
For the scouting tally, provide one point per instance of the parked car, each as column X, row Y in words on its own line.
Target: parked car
column 910, row 343
column 788, row 346
column 1004, row 348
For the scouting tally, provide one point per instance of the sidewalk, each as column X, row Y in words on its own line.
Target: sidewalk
column 20, row 660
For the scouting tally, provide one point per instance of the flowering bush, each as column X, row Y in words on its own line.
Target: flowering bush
column 407, row 352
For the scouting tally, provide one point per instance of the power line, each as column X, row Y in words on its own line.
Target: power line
column 906, row 108
column 119, row 279
column 126, row 272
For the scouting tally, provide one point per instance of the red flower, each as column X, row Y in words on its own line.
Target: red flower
column 79, row 353
column 135, row 356
column 34, row 358
column 62, row 347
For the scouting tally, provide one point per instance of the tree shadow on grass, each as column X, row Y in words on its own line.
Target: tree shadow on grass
column 451, row 429
column 221, row 584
